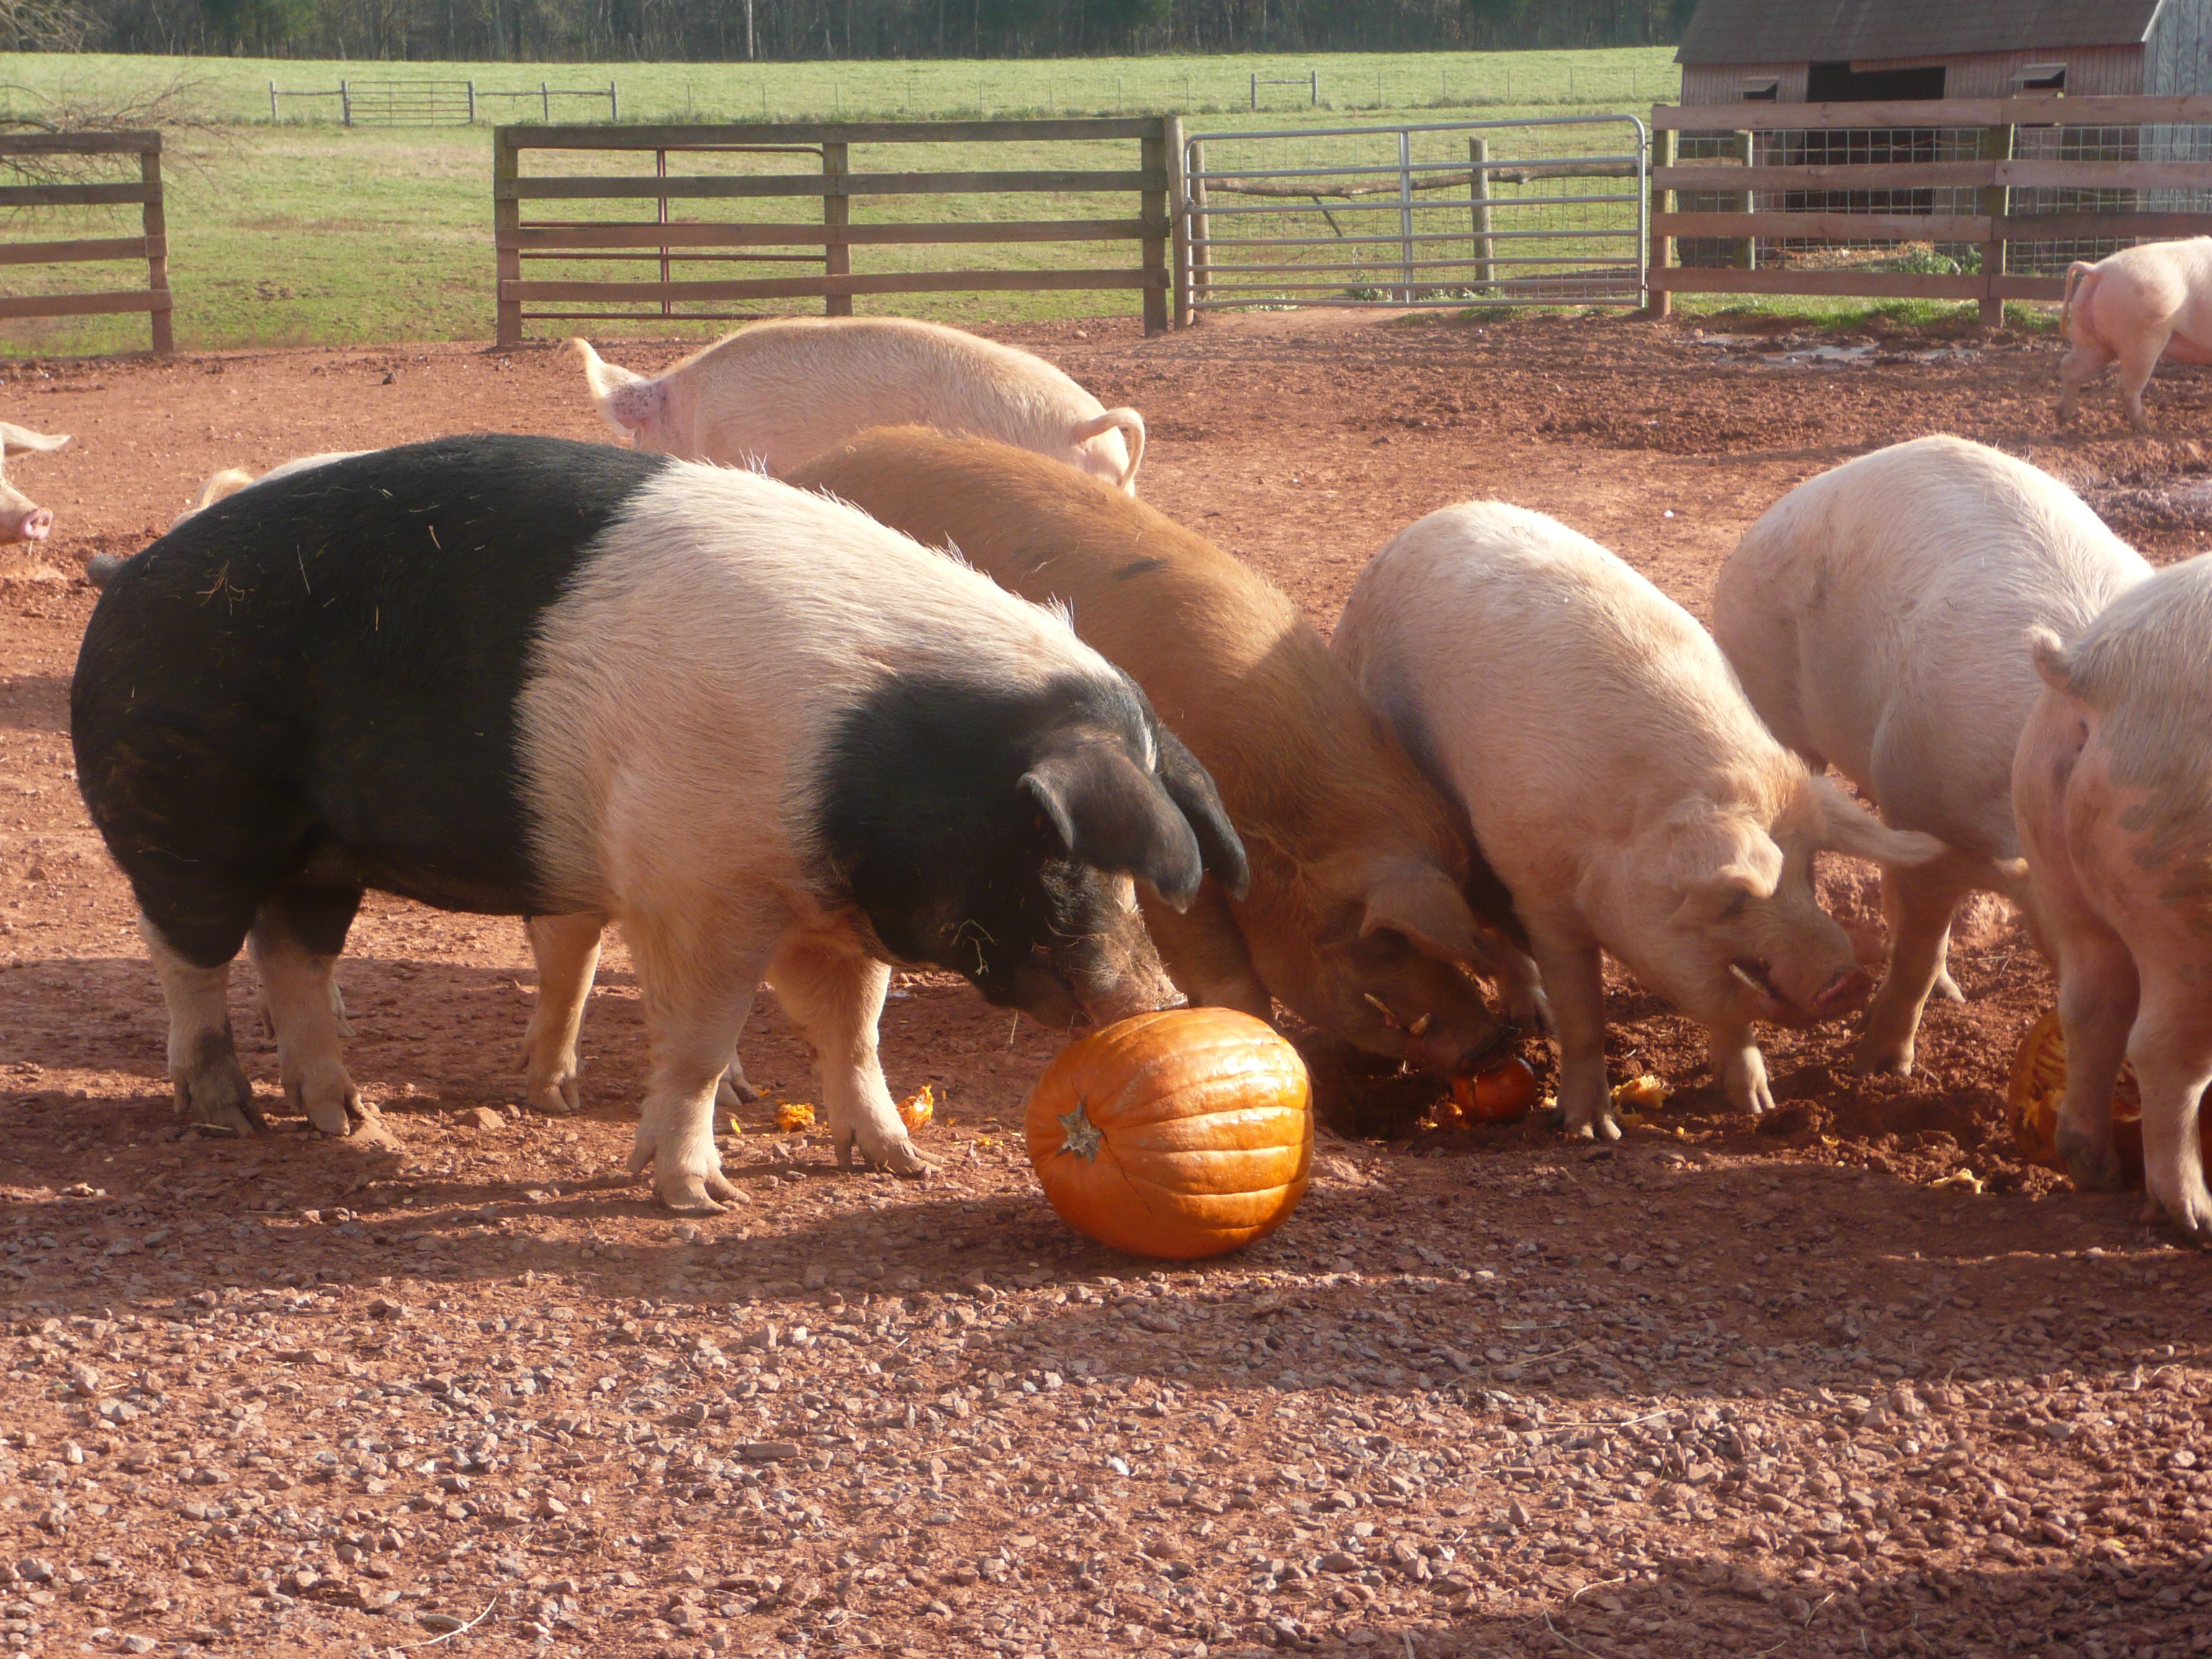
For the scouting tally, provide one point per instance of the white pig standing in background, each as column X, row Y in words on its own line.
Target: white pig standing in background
column 1875, row 616
column 780, row 393
column 22, row 520
column 1617, row 781
column 2112, row 787
column 2132, row 308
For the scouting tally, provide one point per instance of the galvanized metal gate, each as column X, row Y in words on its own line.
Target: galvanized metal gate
column 1548, row 211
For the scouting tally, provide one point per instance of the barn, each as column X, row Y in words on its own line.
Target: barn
column 1797, row 52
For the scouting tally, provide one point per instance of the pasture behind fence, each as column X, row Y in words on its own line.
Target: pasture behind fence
column 422, row 102
column 719, row 159
column 1985, row 199
column 150, row 245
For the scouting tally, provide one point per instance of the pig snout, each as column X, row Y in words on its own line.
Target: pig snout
column 1846, row 993
column 31, row 524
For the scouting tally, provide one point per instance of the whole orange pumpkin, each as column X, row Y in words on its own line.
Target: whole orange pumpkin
column 1497, row 1095
column 1180, row 1135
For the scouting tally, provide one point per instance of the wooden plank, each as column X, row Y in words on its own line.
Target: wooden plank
column 1858, row 284
column 85, row 305
column 836, row 216
column 1153, row 252
column 506, row 218
column 535, row 136
column 694, row 187
column 1827, row 227
column 2022, row 112
column 804, row 288
column 78, row 144
column 153, row 221
column 16, row 195
column 2027, row 287
column 803, row 235
column 1902, row 175
column 2069, row 227
column 1179, row 232
column 94, row 248
column 2105, row 175
column 1656, row 301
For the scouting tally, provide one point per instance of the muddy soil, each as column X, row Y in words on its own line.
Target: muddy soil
column 1854, row 1380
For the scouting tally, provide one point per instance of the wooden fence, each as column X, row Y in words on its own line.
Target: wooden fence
column 152, row 244
column 1996, row 170
column 672, row 242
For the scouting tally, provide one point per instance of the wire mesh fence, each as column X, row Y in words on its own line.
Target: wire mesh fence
column 1544, row 211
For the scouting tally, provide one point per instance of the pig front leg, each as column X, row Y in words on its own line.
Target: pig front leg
column 2171, row 1049
column 833, row 992
column 567, row 949
column 1572, row 973
column 1741, row 1069
column 699, row 972
column 1920, row 903
column 207, row 1084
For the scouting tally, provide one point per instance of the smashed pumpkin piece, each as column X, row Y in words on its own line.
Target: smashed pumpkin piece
column 1641, row 1094
column 916, row 1111
column 794, row 1117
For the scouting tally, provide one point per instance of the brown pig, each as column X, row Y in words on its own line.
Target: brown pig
column 1356, row 918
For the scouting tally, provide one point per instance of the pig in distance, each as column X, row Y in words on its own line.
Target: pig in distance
column 778, row 393
column 2112, row 790
column 22, row 519
column 2130, row 308
column 522, row 676
column 1358, row 917
column 1617, row 782
column 1875, row 618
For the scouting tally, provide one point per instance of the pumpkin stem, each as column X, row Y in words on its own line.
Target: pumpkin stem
column 1083, row 1137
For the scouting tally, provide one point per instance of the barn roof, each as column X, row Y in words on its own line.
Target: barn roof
column 1863, row 30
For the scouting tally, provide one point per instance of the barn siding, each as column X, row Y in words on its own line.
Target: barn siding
column 2110, row 71
column 1723, row 83
column 2179, row 54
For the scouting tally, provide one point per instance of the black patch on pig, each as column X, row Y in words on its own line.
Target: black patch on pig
column 1139, row 568
column 926, row 823
column 312, row 685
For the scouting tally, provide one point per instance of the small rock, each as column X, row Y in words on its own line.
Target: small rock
column 482, row 1118
column 768, row 1451
column 83, row 1378
column 385, row 1308
column 137, row 1644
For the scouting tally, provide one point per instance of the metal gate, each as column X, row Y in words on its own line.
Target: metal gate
column 1555, row 211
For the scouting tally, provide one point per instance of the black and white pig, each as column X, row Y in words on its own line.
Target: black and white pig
column 525, row 676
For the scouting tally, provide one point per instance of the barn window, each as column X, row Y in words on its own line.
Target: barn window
column 2042, row 77
column 1762, row 89
column 1839, row 83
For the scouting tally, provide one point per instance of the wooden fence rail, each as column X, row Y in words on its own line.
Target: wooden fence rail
column 151, row 244
column 1996, row 170
column 672, row 242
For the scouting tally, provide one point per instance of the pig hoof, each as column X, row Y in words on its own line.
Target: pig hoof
column 2094, row 1169
column 899, row 1157
column 219, row 1096
column 734, row 1092
column 1884, row 1058
column 555, row 1097
column 1947, row 988
column 693, row 1194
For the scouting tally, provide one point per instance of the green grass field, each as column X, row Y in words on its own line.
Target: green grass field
column 302, row 231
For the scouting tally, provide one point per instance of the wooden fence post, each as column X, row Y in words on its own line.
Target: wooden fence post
column 1201, row 229
column 1179, row 313
column 1662, row 302
column 1153, row 205
column 1478, row 169
column 836, row 214
column 505, row 225
column 155, row 218
column 1996, row 146
column 1746, row 249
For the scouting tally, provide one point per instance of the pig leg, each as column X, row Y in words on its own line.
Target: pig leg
column 1204, row 952
column 296, row 942
column 1741, row 1069
column 2138, row 357
column 2083, row 364
column 567, row 949
column 734, row 1089
column 1574, row 980
column 699, row 970
column 2097, row 995
column 833, row 992
column 209, row 1086
column 2171, row 1049
column 1920, row 902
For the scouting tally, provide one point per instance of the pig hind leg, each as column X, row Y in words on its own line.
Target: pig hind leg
column 2138, row 357
column 2097, row 995
column 1920, row 903
column 566, row 951
column 297, row 936
column 833, row 992
column 2084, row 363
column 209, row 1086
column 2171, row 1049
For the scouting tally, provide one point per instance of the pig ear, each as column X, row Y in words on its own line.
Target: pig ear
column 1711, row 852
column 1424, row 903
column 626, row 400
column 1191, row 788
column 22, row 440
column 1112, row 816
column 1843, row 826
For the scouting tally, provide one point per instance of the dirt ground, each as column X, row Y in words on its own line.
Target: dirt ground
column 1853, row 1381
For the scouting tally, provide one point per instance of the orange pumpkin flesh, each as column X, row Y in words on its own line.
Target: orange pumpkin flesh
column 2037, row 1088
column 1180, row 1135
column 1497, row 1095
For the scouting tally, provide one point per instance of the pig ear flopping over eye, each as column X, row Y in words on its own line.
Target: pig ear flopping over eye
column 1711, row 854
column 1843, row 826
column 1424, row 903
column 1112, row 816
column 1191, row 788
column 22, row 440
